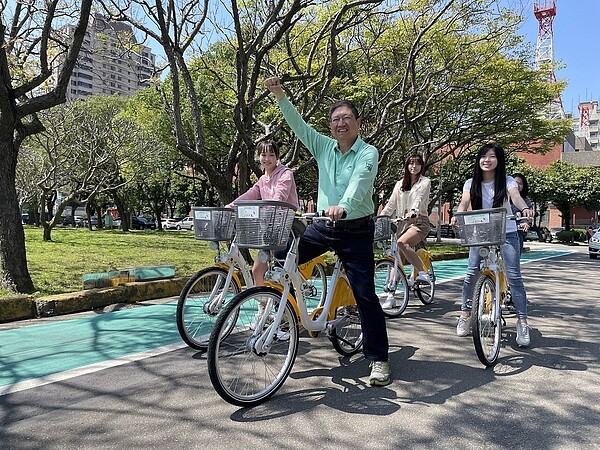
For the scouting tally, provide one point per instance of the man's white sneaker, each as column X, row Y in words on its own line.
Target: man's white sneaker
column 381, row 374
column 390, row 301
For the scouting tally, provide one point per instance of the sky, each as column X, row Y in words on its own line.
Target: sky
column 576, row 46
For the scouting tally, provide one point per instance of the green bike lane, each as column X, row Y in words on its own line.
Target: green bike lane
column 49, row 352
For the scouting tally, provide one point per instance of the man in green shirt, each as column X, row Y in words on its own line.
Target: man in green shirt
column 347, row 170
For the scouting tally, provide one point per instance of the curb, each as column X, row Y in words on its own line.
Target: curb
column 22, row 307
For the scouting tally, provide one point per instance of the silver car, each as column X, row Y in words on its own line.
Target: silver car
column 594, row 245
column 187, row 223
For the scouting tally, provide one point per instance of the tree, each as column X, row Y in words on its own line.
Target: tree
column 27, row 61
column 566, row 185
column 88, row 148
column 437, row 77
column 159, row 170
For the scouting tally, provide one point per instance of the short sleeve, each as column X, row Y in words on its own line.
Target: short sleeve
column 467, row 185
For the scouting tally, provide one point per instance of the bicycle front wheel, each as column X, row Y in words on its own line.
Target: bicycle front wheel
column 391, row 287
column 200, row 301
column 487, row 323
column 243, row 372
column 426, row 291
column 347, row 338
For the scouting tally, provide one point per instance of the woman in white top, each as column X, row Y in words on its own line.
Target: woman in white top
column 410, row 199
column 491, row 188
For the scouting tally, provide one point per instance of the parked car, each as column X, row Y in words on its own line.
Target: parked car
column 594, row 245
column 71, row 221
column 25, row 218
column 187, row 223
column 142, row 223
column 171, row 223
column 93, row 220
column 447, row 231
column 539, row 234
column 555, row 231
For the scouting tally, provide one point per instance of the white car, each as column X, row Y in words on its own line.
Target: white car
column 170, row 224
column 187, row 223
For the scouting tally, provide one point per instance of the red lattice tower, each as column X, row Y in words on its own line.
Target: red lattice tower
column 584, row 119
column 544, row 12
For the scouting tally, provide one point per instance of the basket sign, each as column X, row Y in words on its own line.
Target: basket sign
column 248, row 212
column 475, row 219
column 202, row 215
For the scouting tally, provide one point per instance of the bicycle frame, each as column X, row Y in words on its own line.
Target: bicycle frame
column 493, row 266
column 289, row 275
column 392, row 254
column 234, row 263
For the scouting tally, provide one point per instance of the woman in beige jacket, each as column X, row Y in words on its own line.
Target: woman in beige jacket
column 409, row 200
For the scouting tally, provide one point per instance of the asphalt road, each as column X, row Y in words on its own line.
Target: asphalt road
column 543, row 397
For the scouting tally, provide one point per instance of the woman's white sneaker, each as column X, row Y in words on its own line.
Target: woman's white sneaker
column 522, row 334
column 464, row 326
column 390, row 301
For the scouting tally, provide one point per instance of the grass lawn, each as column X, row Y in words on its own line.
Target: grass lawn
column 58, row 266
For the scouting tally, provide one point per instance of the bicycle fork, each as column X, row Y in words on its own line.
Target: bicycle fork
column 491, row 268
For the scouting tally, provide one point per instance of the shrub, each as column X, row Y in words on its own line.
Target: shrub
column 566, row 236
column 580, row 234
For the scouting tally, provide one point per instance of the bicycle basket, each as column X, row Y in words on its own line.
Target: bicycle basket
column 482, row 227
column 213, row 224
column 383, row 228
column 263, row 224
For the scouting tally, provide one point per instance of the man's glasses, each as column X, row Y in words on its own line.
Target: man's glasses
column 340, row 119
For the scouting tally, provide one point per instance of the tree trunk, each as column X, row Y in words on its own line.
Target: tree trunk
column 13, row 257
column 47, row 232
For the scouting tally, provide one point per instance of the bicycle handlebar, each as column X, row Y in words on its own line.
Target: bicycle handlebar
column 320, row 216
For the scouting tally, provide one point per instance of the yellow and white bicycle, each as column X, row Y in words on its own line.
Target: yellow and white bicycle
column 255, row 339
column 390, row 275
column 208, row 290
column 486, row 229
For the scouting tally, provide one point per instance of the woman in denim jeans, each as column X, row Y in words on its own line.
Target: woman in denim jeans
column 491, row 188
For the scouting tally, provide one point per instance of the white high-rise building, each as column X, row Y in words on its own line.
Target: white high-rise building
column 587, row 126
column 110, row 61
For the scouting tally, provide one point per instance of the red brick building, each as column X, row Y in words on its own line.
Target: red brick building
column 569, row 153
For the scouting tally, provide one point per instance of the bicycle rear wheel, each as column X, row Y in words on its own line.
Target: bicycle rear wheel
column 386, row 284
column 200, row 301
column 487, row 323
column 240, row 373
column 426, row 291
column 347, row 338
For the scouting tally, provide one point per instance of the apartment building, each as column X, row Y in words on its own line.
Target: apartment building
column 111, row 61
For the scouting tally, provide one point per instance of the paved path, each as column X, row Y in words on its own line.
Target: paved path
column 31, row 355
column 442, row 397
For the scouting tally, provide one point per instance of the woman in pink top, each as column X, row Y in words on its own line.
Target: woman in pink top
column 277, row 183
